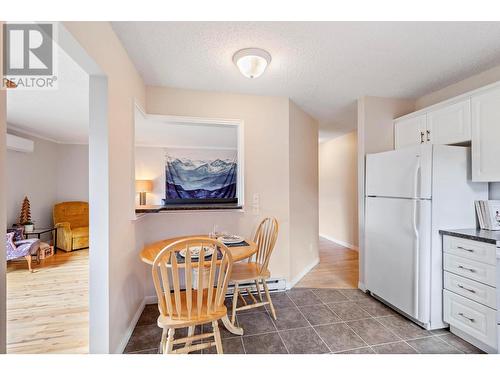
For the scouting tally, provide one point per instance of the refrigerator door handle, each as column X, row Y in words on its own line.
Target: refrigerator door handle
column 417, row 244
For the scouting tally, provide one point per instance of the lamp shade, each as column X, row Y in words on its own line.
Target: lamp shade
column 144, row 186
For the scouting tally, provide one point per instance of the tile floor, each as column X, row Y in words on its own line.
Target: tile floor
column 344, row 321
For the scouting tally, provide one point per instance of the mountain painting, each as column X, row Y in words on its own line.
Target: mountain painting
column 200, row 174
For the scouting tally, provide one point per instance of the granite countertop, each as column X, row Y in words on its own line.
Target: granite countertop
column 186, row 207
column 489, row 236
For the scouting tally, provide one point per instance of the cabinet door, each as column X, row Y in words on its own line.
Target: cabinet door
column 486, row 136
column 450, row 124
column 409, row 132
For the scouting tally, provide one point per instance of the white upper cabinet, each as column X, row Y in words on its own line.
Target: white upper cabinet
column 409, row 131
column 486, row 136
column 450, row 124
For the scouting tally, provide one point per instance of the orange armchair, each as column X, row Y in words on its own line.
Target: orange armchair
column 72, row 222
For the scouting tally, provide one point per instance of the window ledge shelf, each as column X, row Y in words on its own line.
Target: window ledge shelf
column 187, row 207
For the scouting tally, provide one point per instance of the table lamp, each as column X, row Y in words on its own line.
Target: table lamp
column 143, row 187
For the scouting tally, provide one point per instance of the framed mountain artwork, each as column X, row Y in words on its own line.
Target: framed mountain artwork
column 200, row 176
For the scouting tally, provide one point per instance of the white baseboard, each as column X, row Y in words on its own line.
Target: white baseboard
column 130, row 329
column 339, row 242
column 306, row 270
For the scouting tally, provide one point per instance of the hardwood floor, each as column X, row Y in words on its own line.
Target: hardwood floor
column 47, row 311
column 337, row 268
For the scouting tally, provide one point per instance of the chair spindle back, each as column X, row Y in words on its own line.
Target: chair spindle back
column 265, row 238
column 202, row 296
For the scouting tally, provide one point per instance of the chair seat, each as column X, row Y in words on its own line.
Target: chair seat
column 184, row 320
column 248, row 271
column 80, row 232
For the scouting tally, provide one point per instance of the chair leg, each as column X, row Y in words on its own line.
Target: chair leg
column 28, row 259
column 190, row 334
column 170, row 341
column 163, row 343
column 218, row 342
column 268, row 296
column 235, row 303
column 258, row 289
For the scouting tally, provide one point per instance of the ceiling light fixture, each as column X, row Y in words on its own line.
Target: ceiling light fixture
column 252, row 62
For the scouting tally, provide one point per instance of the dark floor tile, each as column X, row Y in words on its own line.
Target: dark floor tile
column 229, row 346
column 303, row 297
column 224, row 333
column 149, row 315
column 339, row 336
column 148, row 351
column 375, row 308
column 229, row 304
column 268, row 343
column 280, row 300
column 329, row 295
column 348, row 311
column 372, row 331
column 144, row 337
column 365, row 350
column 442, row 331
column 403, row 327
column 460, row 344
column 303, row 341
column 289, row 318
column 432, row 345
column 183, row 332
column 255, row 323
column 319, row 314
column 394, row 348
column 354, row 294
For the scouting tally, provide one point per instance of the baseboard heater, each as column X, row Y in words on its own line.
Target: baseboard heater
column 274, row 285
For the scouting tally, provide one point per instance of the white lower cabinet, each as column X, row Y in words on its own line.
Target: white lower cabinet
column 470, row 295
column 474, row 319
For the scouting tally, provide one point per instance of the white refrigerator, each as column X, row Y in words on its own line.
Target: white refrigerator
column 412, row 193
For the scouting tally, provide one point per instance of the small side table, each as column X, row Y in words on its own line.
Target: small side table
column 39, row 231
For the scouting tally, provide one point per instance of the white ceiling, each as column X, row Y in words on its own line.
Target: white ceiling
column 61, row 114
column 322, row 66
column 152, row 131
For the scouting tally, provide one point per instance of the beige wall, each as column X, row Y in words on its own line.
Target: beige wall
column 375, row 134
column 52, row 173
column 32, row 174
column 474, row 82
column 125, row 88
column 304, row 227
column 266, row 165
column 338, row 190
column 72, row 173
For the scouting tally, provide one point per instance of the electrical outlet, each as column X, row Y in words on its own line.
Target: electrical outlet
column 256, row 204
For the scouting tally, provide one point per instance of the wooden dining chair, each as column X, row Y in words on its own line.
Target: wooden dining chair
column 256, row 271
column 201, row 302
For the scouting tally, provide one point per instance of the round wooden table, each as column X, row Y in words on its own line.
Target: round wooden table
column 149, row 253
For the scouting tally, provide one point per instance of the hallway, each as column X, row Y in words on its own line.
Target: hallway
column 337, row 268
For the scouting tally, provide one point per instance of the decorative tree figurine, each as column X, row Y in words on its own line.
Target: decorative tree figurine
column 25, row 217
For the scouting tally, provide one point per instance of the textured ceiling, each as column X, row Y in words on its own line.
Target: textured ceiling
column 322, row 66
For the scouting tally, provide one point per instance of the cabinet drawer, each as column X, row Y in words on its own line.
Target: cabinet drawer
column 474, row 319
column 471, row 289
column 470, row 269
column 475, row 250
